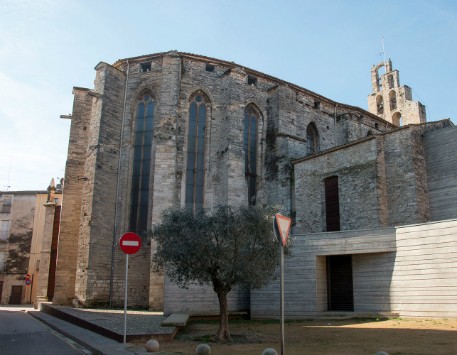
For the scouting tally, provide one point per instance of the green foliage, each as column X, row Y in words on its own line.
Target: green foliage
column 223, row 248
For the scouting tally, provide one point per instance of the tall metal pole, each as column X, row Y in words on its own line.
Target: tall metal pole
column 119, row 163
column 125, row 295
column 282, row 299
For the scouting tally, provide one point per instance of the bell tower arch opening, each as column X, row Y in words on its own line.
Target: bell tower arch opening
column 396, row 119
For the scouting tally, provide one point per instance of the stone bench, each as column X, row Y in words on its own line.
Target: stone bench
column 175, row 320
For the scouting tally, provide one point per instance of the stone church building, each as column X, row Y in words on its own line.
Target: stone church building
column 372, row 193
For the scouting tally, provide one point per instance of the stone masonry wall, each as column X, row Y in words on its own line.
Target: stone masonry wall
column 171, row 79
column 382, row 182
column 65, row 284
column 440, row 147
column 102, row 170
column 406, row 177
column 357, row 169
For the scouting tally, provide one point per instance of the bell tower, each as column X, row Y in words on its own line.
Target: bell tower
column 391, row 101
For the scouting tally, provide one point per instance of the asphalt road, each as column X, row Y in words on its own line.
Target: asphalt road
column 20, row 334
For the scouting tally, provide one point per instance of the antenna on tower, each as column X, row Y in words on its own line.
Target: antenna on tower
column 383, row 54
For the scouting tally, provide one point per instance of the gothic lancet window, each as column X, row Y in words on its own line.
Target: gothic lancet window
column 195, row 171
column 142, row 150
column 311, row 139
column 251, row 118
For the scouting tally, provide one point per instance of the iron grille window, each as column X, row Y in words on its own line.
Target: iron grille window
column 251, row 118
column 142, row 150
column 195, row 171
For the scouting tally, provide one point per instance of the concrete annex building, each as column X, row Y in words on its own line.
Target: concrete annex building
column 373, row 194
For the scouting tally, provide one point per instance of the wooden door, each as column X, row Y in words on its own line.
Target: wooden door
column 16, row 295
column 332, row 204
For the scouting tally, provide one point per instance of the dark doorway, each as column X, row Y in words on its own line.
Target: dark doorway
column 339, row 283
column 1, row 291
column 53, row 258
column 332, row 204
column 16, row 295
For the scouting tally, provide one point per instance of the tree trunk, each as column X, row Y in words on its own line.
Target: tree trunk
column 223, row 331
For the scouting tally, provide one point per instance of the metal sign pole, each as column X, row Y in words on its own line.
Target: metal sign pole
column 281, row 229
column 282, row 299
column 125, row 295
column 130, row 243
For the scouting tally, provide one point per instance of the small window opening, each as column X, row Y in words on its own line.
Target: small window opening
column 376, row 126
column 6, row 207
column 317, row 104
column 252, row 80
column 145, row 67
column 209, row 67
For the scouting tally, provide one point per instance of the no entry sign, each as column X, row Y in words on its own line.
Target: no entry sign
column 130, row 243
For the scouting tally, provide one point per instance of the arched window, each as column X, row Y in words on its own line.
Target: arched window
column 195, row 172
column 251, row 122
column 312, row 139
column 369, row 133
column 142, row 149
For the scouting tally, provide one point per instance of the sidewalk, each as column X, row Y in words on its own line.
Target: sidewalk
column 141, row 326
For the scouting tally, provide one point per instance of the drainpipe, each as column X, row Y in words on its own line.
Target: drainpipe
column 115, row 236
column 334, row 126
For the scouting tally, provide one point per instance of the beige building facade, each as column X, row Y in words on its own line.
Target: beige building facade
column 17, row 210
column 29, row 224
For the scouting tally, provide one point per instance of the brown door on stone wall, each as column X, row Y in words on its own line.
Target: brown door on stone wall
column 332, row 204
column 339, row 283
column 16, row 295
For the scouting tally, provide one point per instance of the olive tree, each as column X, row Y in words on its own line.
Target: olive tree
column 223, row 248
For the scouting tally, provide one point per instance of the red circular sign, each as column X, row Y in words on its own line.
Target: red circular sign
column 130, row 243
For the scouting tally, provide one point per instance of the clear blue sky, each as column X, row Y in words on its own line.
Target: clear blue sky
column 49, row 46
